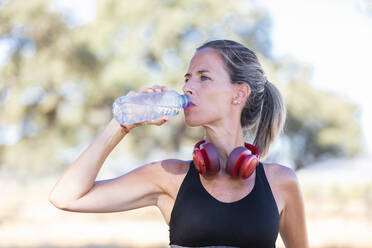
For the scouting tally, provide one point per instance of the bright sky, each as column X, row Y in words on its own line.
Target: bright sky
column 331, row 35
column 336, row 39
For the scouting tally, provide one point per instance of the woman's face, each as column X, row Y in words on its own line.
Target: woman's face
column 209, row 87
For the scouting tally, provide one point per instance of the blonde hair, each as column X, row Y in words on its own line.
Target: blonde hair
column 264, row 111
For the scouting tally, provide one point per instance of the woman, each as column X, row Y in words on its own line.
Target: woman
column 229, row 92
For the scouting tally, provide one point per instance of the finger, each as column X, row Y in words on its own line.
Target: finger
column 143, row 90
column 161, row 88
column 159, row 122
column 147, row 90
column 131, row 92
column 162, row 121
column 157, row 88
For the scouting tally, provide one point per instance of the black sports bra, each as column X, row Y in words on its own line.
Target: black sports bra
column 200, row 220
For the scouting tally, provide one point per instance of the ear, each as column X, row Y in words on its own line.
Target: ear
column 242, row 92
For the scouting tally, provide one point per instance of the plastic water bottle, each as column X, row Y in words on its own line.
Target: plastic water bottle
column 144, row 107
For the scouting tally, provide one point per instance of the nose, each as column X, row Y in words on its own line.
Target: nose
column 187, row 89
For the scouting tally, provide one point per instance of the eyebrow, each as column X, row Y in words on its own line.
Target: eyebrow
column 200, row 72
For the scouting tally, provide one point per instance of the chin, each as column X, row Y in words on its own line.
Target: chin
column 193, row 122
column 190, row 123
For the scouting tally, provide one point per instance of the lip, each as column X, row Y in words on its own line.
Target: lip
column 191, row 105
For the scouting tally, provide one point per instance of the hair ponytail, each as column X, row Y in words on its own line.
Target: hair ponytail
column 272, row 118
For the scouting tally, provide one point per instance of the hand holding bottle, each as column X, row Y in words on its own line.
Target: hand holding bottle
column 147, row 90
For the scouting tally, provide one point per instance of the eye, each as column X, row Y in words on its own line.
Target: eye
column 203, row 78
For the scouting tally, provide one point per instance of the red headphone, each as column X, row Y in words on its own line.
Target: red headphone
column 241, row 163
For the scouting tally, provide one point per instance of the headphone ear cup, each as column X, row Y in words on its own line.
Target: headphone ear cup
column 241, row 163
column 233, row 164
column 199, row 161
column 210, row 156
column 248, row 165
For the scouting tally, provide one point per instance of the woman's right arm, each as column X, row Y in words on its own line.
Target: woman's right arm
column 78, row 191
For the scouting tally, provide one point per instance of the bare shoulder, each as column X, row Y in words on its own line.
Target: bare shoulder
column 283, row 182
column 279, row 174
column 168, row 174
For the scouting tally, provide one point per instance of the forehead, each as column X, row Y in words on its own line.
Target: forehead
column 206, row 58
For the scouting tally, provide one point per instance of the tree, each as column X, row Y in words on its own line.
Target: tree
column 61, row 80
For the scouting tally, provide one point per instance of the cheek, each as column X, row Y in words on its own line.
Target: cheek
column 217, row 104
column 204, row 114
column 213, row 105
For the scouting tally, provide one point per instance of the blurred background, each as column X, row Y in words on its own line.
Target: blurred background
column 63, row 63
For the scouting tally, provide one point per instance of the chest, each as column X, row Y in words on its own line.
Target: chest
column 200, row 218
column 227, row 192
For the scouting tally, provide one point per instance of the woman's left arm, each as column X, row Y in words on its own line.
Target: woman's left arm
column 292, row 219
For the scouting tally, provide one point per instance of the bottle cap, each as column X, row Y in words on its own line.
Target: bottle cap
column 185, row 101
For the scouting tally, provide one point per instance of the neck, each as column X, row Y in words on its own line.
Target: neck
column 225, row 140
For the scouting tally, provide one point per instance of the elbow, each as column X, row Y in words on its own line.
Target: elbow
column 57, row 202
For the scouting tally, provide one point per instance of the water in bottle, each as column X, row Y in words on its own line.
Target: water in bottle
column 144, row 107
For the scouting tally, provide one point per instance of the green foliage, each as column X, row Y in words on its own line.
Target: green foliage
column 80, row 70
column 322, row 124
